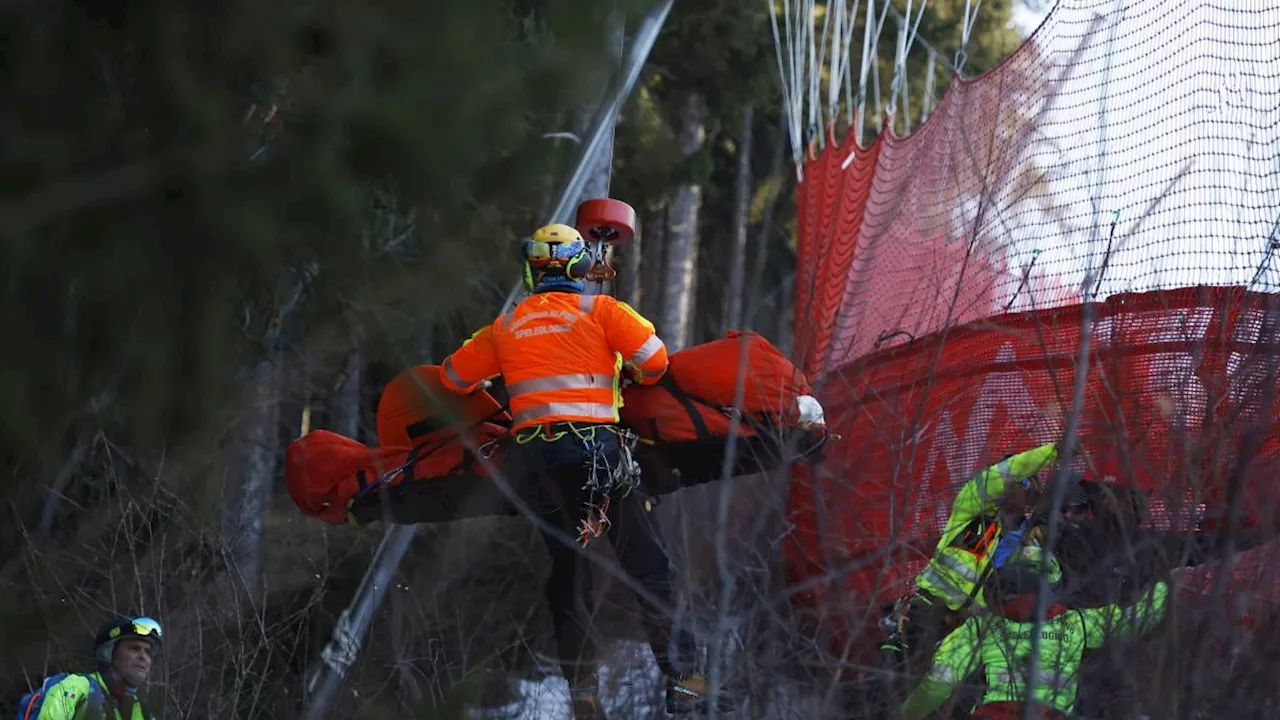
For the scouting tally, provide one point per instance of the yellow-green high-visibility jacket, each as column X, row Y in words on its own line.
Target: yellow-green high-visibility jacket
column 70, row 699
column 1002, row 646
column 954, row 572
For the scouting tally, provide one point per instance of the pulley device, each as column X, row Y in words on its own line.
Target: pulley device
column 604, row 222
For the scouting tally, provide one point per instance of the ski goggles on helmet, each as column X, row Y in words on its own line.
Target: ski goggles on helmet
column 137, row 627
column 540, row 253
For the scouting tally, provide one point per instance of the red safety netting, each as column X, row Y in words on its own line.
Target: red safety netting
column 1122, row 156
column 1004, row 199
column 1179, row 383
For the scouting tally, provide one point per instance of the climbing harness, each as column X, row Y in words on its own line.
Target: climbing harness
column 606, row 480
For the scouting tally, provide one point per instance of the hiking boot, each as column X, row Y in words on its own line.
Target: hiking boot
column 688, row 694
column 587, row 705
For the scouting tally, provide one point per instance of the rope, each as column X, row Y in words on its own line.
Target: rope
column 906, row 39
column 839, row 77
column 925, row 44
column 873, row 59
column 930, row 65
column 868, row 48
column 899, row 63
column 966, row 28
column 787, row 80
column 837, row 57
column 812, row 69
column 847, row 80
column 818, row 52
column 807, row 56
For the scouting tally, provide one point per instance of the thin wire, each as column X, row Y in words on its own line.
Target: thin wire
column 815, row 75
column 795, row 40
column 848, row 89
column 925, row 44
column 868, row 46
column 907, row 32
column 802, row 53
column 783, row 80
column 842, row 75
column 965, row 30
column 930, row 67
column 969, row 21
column 813, row 67
column 837, row 59
column 899, row 63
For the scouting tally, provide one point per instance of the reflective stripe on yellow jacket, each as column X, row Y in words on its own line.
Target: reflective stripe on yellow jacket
column 560, row 355
column 954, row 572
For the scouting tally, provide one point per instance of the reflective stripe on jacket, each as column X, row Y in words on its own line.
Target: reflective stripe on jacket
column 953, row 573
column 1002, row 646
column 69, row 700
column 560, row 355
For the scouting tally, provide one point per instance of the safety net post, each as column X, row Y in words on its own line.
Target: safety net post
column 602, row 125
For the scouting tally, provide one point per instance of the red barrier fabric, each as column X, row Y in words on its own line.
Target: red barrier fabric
column 1180, row 396
column 1123, row 156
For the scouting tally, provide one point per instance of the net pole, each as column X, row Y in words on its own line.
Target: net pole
column 602, row 126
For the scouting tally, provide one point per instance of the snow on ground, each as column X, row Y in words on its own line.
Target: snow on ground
column 630, row 686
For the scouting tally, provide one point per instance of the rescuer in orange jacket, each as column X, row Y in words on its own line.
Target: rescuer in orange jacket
column 561, row 355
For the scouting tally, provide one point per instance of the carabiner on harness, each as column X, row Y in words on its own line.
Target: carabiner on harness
column 606, row 480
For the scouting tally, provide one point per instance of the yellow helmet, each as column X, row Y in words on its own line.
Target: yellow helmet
column 555, row 257
column 556, row 233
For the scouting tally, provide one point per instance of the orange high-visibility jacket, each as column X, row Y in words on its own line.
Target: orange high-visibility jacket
column 560, row 355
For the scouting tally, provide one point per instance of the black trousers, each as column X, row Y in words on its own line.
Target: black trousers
column 560, row 468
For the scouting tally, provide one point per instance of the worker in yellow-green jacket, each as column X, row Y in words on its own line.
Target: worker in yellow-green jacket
column 124, row 649
column 949, row 587
column 1003, row 642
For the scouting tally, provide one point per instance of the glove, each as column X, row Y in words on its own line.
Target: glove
column 630, row 374
column 810, row 411
column 1075, row 447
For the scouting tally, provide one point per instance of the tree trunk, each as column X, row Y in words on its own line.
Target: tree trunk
column 251, row 466
column 253, row 471
column 741, row 204
column 765, row 231
column 681, row 260
column 786, row 315
column 348, row 400
column 650, row 259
